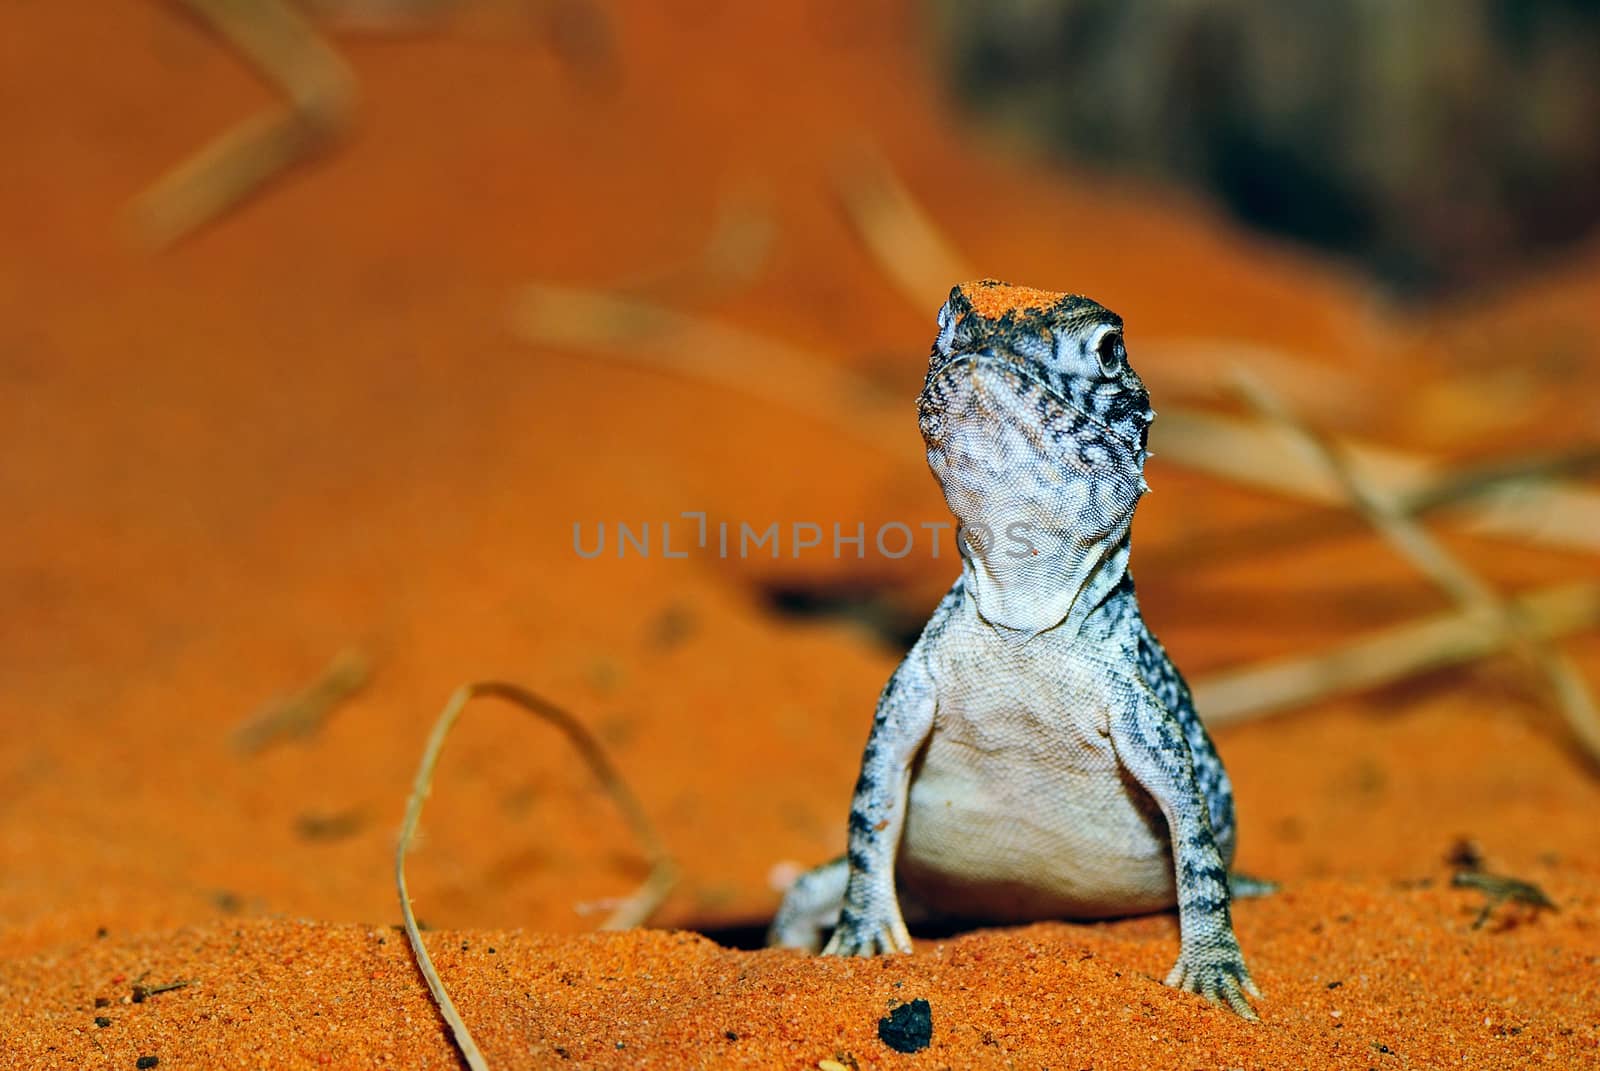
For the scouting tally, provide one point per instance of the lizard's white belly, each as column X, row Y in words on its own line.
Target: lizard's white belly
column 1013, row 817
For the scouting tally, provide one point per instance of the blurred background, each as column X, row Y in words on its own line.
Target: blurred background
column 325, row 326
column 1439, row 148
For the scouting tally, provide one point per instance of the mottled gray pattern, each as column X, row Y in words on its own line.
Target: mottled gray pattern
column 1036, row 754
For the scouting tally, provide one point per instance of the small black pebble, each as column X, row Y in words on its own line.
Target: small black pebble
column 1335, row 985
column 146, row 1061
column 730, row 1035
column 101, row 1021
column 463, row 946
column 491, row 951
column 102, row 932
column 907, row 1027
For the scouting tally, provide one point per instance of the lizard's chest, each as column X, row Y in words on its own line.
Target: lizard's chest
column 1036, row 708
column 1018, row 806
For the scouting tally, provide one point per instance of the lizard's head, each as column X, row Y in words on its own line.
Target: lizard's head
column 1035, row 426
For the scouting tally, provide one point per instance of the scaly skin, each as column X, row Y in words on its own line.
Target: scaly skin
column 1036, row 755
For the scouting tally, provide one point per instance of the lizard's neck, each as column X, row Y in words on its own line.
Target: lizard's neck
column 1055, row 590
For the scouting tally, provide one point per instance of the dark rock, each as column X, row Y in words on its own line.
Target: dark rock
column 907, row 1027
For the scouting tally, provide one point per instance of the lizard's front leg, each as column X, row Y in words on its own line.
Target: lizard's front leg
column 870, row 922
column 1150, row 744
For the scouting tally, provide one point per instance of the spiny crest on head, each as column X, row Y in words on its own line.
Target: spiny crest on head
column 991, row 313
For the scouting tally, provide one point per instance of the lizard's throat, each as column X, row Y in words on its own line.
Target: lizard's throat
column 1030, row 578
column 1044, row 499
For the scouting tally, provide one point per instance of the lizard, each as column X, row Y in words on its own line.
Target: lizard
column 1036, row 755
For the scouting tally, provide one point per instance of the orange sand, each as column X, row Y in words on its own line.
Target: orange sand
column 308, row 429
column 1352, row 967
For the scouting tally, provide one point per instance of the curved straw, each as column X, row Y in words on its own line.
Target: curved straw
column 630, row 913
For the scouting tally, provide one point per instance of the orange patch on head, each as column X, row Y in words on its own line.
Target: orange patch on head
column 992, row 300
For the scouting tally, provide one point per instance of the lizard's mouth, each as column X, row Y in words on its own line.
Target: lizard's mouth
column 980, row 385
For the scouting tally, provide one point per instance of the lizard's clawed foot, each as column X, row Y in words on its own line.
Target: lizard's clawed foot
column 868, row 935
column 1218, row 975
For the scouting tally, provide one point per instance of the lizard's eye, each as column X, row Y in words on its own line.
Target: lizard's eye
column 1109, row 351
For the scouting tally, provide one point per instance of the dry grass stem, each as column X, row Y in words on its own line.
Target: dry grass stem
column 380, row 17
column 1186, row 368
column 632, row 912
column 1388, row 655
column 1257, row 454
column 736, row 251
column 305, row 712
column 1507, row 477
column 702, row 350
column 1450, row 574
column 908, row 246
column 321, row 94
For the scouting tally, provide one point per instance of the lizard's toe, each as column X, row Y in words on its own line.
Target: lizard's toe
column 1243, row 886
column 1235, row 1000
